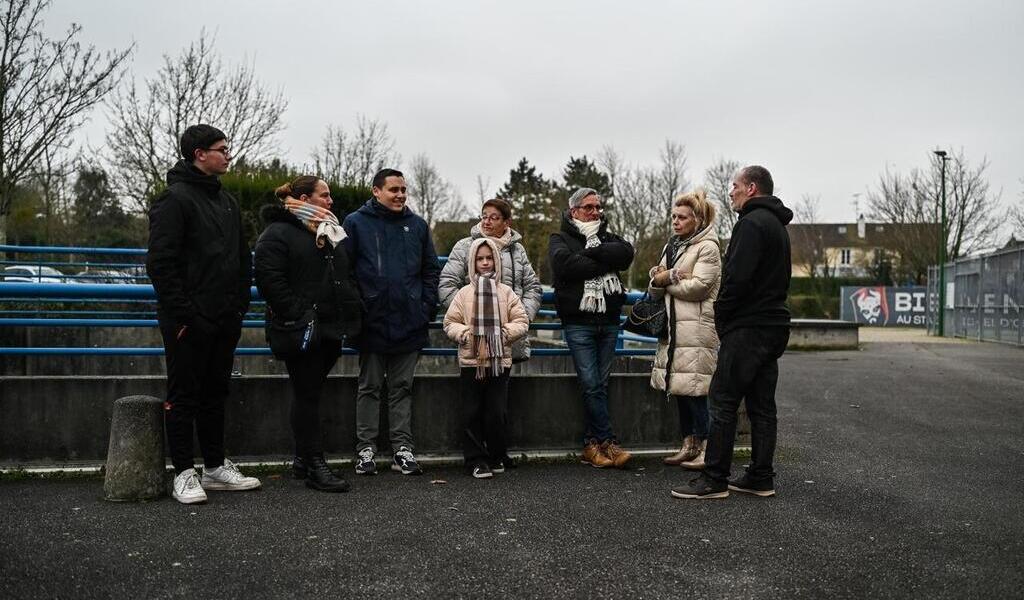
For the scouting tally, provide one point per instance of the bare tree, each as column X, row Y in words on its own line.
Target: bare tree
column 482, row 187
column 434, row 198
column 1017, row 215
column 193, row 87
column 353, row 158
column 47, row 88
column 973, row 216
column 717, row 183
column 810, row 249
column 643, row 200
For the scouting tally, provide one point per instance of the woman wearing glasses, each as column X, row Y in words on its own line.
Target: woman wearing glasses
column 516, row 270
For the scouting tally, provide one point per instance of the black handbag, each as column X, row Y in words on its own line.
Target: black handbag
column 291, row 338
column 648, row 318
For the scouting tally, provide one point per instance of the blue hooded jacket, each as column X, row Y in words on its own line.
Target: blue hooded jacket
column 397, row 271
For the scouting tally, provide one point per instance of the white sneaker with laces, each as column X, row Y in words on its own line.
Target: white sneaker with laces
column 227, row 477
column 187, row 489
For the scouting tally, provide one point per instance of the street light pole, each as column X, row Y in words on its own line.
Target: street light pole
column 942, row 246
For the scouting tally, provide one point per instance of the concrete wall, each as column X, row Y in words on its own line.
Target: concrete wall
column 68, row 418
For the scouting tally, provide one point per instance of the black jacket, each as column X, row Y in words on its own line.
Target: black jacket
column 198, row 260
column 293, row 275
column 572, row 263
column 397, row 271
column 755, row 278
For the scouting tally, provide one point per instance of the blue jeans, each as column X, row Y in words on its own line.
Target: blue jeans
column 593, row 349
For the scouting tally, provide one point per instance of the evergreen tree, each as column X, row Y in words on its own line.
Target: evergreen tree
column 99, row 219
column 534, row 214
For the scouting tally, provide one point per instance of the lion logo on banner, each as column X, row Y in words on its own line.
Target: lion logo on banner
column 871, row 304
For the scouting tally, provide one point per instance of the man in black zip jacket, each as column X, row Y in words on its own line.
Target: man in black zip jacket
column 752, row 321
column 200, row 266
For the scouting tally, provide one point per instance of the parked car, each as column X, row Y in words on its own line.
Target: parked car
column 33, row 274
column 103, row 276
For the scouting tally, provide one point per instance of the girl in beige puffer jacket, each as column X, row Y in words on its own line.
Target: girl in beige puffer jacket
column 688, row 278
column 484, row 318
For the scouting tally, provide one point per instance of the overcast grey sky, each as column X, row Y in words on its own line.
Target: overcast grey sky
column 824, row 94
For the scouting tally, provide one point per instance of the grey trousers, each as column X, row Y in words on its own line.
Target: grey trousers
column 374, row 370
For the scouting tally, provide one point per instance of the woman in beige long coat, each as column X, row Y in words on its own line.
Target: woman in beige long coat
column 688, row 278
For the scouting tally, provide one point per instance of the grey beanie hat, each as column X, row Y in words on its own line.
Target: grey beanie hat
column 580, row 194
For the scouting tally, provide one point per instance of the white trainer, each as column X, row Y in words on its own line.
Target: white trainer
column 187, row 489
column 227, row 477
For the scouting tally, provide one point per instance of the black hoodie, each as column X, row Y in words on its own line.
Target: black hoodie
column 755, row 278
column 198, row 260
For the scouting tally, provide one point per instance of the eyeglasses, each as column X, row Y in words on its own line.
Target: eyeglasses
column 491, row 218
column 223, row 150
column 590, row 207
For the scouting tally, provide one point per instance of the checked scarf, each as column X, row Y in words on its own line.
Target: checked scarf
column 594, row 290
column 320, row 221
column 486, row 320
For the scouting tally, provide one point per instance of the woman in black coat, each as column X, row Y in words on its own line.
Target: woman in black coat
column 301, row 269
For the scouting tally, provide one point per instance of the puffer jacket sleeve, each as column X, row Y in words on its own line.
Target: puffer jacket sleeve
column 454, row 323
column 706, row 272
column 272, row 277
column 657, row 292
column 453, row 275
column 518, row 324
column 532, row 291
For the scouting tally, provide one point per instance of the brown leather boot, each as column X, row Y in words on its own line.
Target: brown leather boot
column 615, row 453
column 593, row 456
column 688, row 452
column 697, row 462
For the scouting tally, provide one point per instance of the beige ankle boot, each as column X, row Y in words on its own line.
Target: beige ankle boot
column 697, row 462
column 688, row 452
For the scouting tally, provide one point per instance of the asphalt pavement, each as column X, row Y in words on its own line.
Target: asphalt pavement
column 898, row 476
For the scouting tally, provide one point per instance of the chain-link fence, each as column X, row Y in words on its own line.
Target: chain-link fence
column 984, row 296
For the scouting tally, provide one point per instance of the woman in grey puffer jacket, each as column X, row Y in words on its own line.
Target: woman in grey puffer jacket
column 516, row 270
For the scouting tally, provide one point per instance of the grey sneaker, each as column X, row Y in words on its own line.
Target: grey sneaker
column 405, row 463
column 228, row 478
column 187, row 489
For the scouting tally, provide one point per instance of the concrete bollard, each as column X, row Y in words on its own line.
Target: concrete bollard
column 135, row 455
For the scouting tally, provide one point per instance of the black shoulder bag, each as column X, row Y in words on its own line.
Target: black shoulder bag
column 648, row 316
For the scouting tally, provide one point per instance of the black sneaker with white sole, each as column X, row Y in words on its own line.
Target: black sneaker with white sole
column 757, row 487
column 700, row 488
column 405, row 463
column 480, row 470
column 365, row 465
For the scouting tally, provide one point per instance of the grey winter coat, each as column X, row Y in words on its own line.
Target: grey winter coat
column 516, row 272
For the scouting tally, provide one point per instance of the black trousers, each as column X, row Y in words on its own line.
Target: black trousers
column 484, row 415
column 198, row 379
column 748, row 370
column 307, row 373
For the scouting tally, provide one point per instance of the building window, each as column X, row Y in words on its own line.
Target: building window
column 842, row 229
column 844, row 256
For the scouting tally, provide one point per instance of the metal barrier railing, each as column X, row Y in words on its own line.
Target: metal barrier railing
column 133, row 292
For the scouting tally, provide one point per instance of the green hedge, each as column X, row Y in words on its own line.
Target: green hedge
column 805, row 286
column 814, row 306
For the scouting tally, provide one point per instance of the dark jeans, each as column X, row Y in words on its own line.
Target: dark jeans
column 307, row 373
column 198, row 377
column 484, row 412
column 593, row 350
column 693, row 415
column 747, row 370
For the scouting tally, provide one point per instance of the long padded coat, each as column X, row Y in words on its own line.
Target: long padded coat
column 696, row 343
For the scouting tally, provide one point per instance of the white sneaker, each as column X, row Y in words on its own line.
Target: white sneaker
column 227, row 477
column 187, row 489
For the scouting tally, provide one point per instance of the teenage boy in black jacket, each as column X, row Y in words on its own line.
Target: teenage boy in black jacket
column 200, row 266
column 753, row 325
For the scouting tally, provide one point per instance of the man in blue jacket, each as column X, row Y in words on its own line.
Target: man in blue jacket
column 752, row 321
column 397, row 271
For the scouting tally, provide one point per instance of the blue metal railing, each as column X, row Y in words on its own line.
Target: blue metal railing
column 145, row 293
